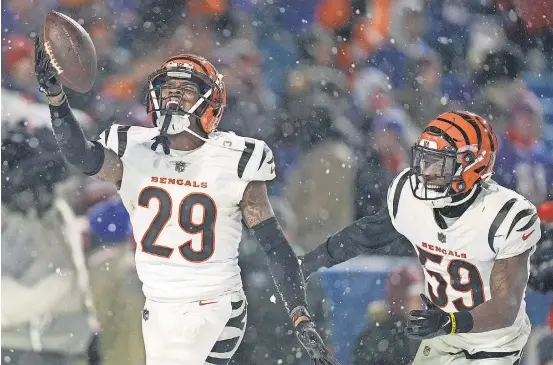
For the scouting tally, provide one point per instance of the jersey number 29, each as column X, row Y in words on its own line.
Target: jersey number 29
column 205, row 228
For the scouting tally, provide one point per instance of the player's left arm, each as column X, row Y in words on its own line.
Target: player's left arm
column 285, row 268
column 518, row 235
column 507, row 284
column 284, row 265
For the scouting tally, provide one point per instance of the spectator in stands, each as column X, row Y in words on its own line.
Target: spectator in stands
column 384, row 342
column 448, row 30
column 324, row 175
column 49, row 317
column 522, row 164
column 533, row 25
column 373, row 96
column 385, row 154
column 398, row 55
column 115, row 284
column 251, row 106
column 18, row 64
column 422, row 97
column 498, row 79
column 23, row 16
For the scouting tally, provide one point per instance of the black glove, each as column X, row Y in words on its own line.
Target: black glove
column 431, row 323
column 45, row 72
column 313, row 343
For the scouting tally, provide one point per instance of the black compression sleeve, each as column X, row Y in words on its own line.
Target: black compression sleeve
column 374, row 234
column 283, row 263
column 78, row 151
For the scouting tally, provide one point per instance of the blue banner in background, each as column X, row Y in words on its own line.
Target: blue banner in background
column 351, row 286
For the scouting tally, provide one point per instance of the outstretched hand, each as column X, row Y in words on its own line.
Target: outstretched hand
column 430, row 323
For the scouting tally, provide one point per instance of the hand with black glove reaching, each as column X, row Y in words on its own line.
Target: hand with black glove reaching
column 433, row 322
column 310, row 339
column 45, row 72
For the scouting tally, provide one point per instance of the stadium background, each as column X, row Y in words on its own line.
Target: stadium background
column 339, row 89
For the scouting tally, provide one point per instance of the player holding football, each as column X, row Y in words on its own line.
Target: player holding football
column 473, row 239
column 186, row 188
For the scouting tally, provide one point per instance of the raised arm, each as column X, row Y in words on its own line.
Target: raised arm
column 284, row 266
column 89, row 157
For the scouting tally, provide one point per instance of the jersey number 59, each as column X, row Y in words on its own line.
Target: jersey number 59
column 165, row 208
column 473, row 285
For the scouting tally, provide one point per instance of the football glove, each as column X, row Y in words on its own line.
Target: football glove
column 45, row 72
column 431, row 322
column 313, row 344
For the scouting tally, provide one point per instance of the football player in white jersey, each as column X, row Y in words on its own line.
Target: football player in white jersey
column 473, row 238
column 187, row 188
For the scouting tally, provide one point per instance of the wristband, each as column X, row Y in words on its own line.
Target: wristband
column 453, row 323
column 63, row 99
column 298, row 312
column 461, row 322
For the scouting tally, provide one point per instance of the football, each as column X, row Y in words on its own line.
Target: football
column 71, row 51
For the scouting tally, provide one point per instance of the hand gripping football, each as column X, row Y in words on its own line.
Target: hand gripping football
column 71, row 51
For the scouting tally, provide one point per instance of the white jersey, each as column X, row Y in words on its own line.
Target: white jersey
column 458, row 259
column 184, row 209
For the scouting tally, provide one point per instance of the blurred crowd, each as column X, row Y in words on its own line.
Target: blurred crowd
column 339, row 89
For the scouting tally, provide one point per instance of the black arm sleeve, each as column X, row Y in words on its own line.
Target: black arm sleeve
column 374, row 234
column 78, row 151
column 283, row 263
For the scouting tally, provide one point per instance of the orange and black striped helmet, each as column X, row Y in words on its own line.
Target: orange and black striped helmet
column 199, row 71
column 455, row 152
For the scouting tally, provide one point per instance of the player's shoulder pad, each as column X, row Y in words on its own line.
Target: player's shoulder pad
column 394, row 191
column 119, row 138
column 514, row 218
column 256, row 161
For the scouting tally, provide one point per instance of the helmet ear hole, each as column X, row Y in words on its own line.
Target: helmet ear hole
column 466, row 158
column 459, row 186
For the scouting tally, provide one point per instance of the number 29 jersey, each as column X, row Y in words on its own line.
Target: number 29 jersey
column 458, row 259
column 184, row 209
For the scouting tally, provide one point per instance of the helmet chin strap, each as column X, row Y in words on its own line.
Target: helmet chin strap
column 174, row 123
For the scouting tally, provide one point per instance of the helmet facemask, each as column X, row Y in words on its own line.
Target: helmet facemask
column 433, row 172
column 177, row 96
column 187, row 89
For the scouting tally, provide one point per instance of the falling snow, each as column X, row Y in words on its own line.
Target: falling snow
column 339, row 100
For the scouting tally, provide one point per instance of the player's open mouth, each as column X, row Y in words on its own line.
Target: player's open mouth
column 439, row 188
column 173, row 103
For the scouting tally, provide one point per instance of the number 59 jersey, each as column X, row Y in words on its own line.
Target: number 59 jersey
column 458, row 259
column 184, row 209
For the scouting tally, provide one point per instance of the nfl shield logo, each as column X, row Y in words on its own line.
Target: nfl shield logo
column 426, row 351
column 441, row 237
column 180, row 166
